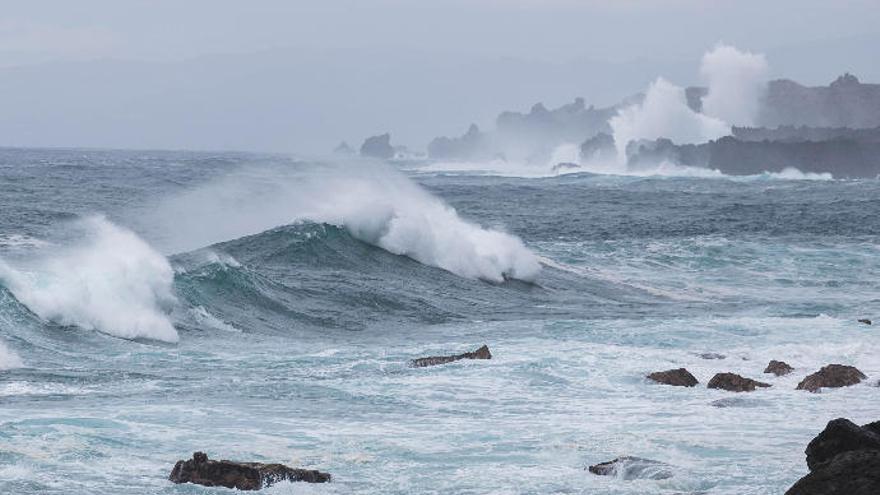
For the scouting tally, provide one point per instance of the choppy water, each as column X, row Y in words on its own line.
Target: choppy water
column 263, row 308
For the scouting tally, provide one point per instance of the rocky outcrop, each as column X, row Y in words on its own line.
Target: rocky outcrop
column 343, row 149
column 792, row 134
column 778, row 368
column 473, row 145
column 599, row 148
column 241, row 475
column 378, row 147
column 679, row 377
column 846, row 102
column 842, row 158
column 481, row 353
column 629, row 468
column 843, row 460
column 840, row 435
column 735, row 383
column 832, row 376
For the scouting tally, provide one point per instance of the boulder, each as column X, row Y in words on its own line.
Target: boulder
column 679, row 377
column 378, row 147
column 735, row 383
column 778, row 368
column 841, row 435
column 241, row 475
column 866, row 321
column 481, row 353
column 856, row 472
column 833, row 376
column 629, row 468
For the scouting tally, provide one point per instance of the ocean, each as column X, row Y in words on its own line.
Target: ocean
column 265, row 307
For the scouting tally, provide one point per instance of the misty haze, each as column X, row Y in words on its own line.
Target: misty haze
column 482, row 247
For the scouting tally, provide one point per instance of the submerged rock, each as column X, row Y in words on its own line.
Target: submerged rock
column 630, row 468
column 866, row 321
column 241, row 475
column 843, row 460
column 679, row 377
column 712, row 355
column 840, row 435
column 481, row 353
column 832, row 376
column 735, row 383
column 778, row 368
column 737, row 402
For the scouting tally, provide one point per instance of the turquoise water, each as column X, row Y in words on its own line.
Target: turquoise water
column 264, row 308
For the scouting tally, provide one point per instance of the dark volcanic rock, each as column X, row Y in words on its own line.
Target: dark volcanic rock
column 735, row 383
column 856, row 472
column 481, row 353
column 833, row 376
column 840, row 435
column 712, row 355
column 679, row 378
column 865, row 321
column 629, row 468
column 378, row 147
column 242, row 475
column 778, row 368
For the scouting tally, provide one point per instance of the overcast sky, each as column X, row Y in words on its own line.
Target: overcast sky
column 300, row 76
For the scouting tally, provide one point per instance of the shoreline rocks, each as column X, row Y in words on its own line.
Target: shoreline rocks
column 678, row 377
column 831, row 376
column 735, row 383
column 778, row 368
column 241, row 475
column 844, row 459
column 481, row 353
column 629, row 468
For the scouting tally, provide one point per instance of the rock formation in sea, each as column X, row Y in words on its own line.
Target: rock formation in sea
column 844, row 459
column 678, row 377
column 629, row 468
column 735, row 383
column 481, row 353
column 778, row 368
column 378, row 147
column 241, row 475
column 832, row 376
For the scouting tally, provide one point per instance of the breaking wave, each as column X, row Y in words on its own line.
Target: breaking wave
column 108, row 280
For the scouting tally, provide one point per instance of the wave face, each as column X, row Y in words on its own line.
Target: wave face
column 108, row 279
column 374, row 203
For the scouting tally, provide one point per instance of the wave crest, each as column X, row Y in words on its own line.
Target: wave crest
column 111, row 280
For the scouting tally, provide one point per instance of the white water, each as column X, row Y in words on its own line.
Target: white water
column 737, row 81
column 8, row 358
column 109, row 280
column 376, row 204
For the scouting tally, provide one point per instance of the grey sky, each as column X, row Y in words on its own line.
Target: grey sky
column 300, row 76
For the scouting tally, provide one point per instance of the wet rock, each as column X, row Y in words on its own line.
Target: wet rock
column 629, row 468
column 241, row 475
column 679, row 377
column 778, row 368
column 832, row 376
column 735, row 383
column 712, row 355
column 866, row 321
column 481, row 353
column 856, row 472
column 841, row 435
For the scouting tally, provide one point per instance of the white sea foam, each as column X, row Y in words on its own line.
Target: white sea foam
column 376, row 204
column 110, row 280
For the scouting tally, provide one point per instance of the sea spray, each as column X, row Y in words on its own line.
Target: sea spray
column 375, row 203
column 108, row 280
column 8, row 358
column 736, row 83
